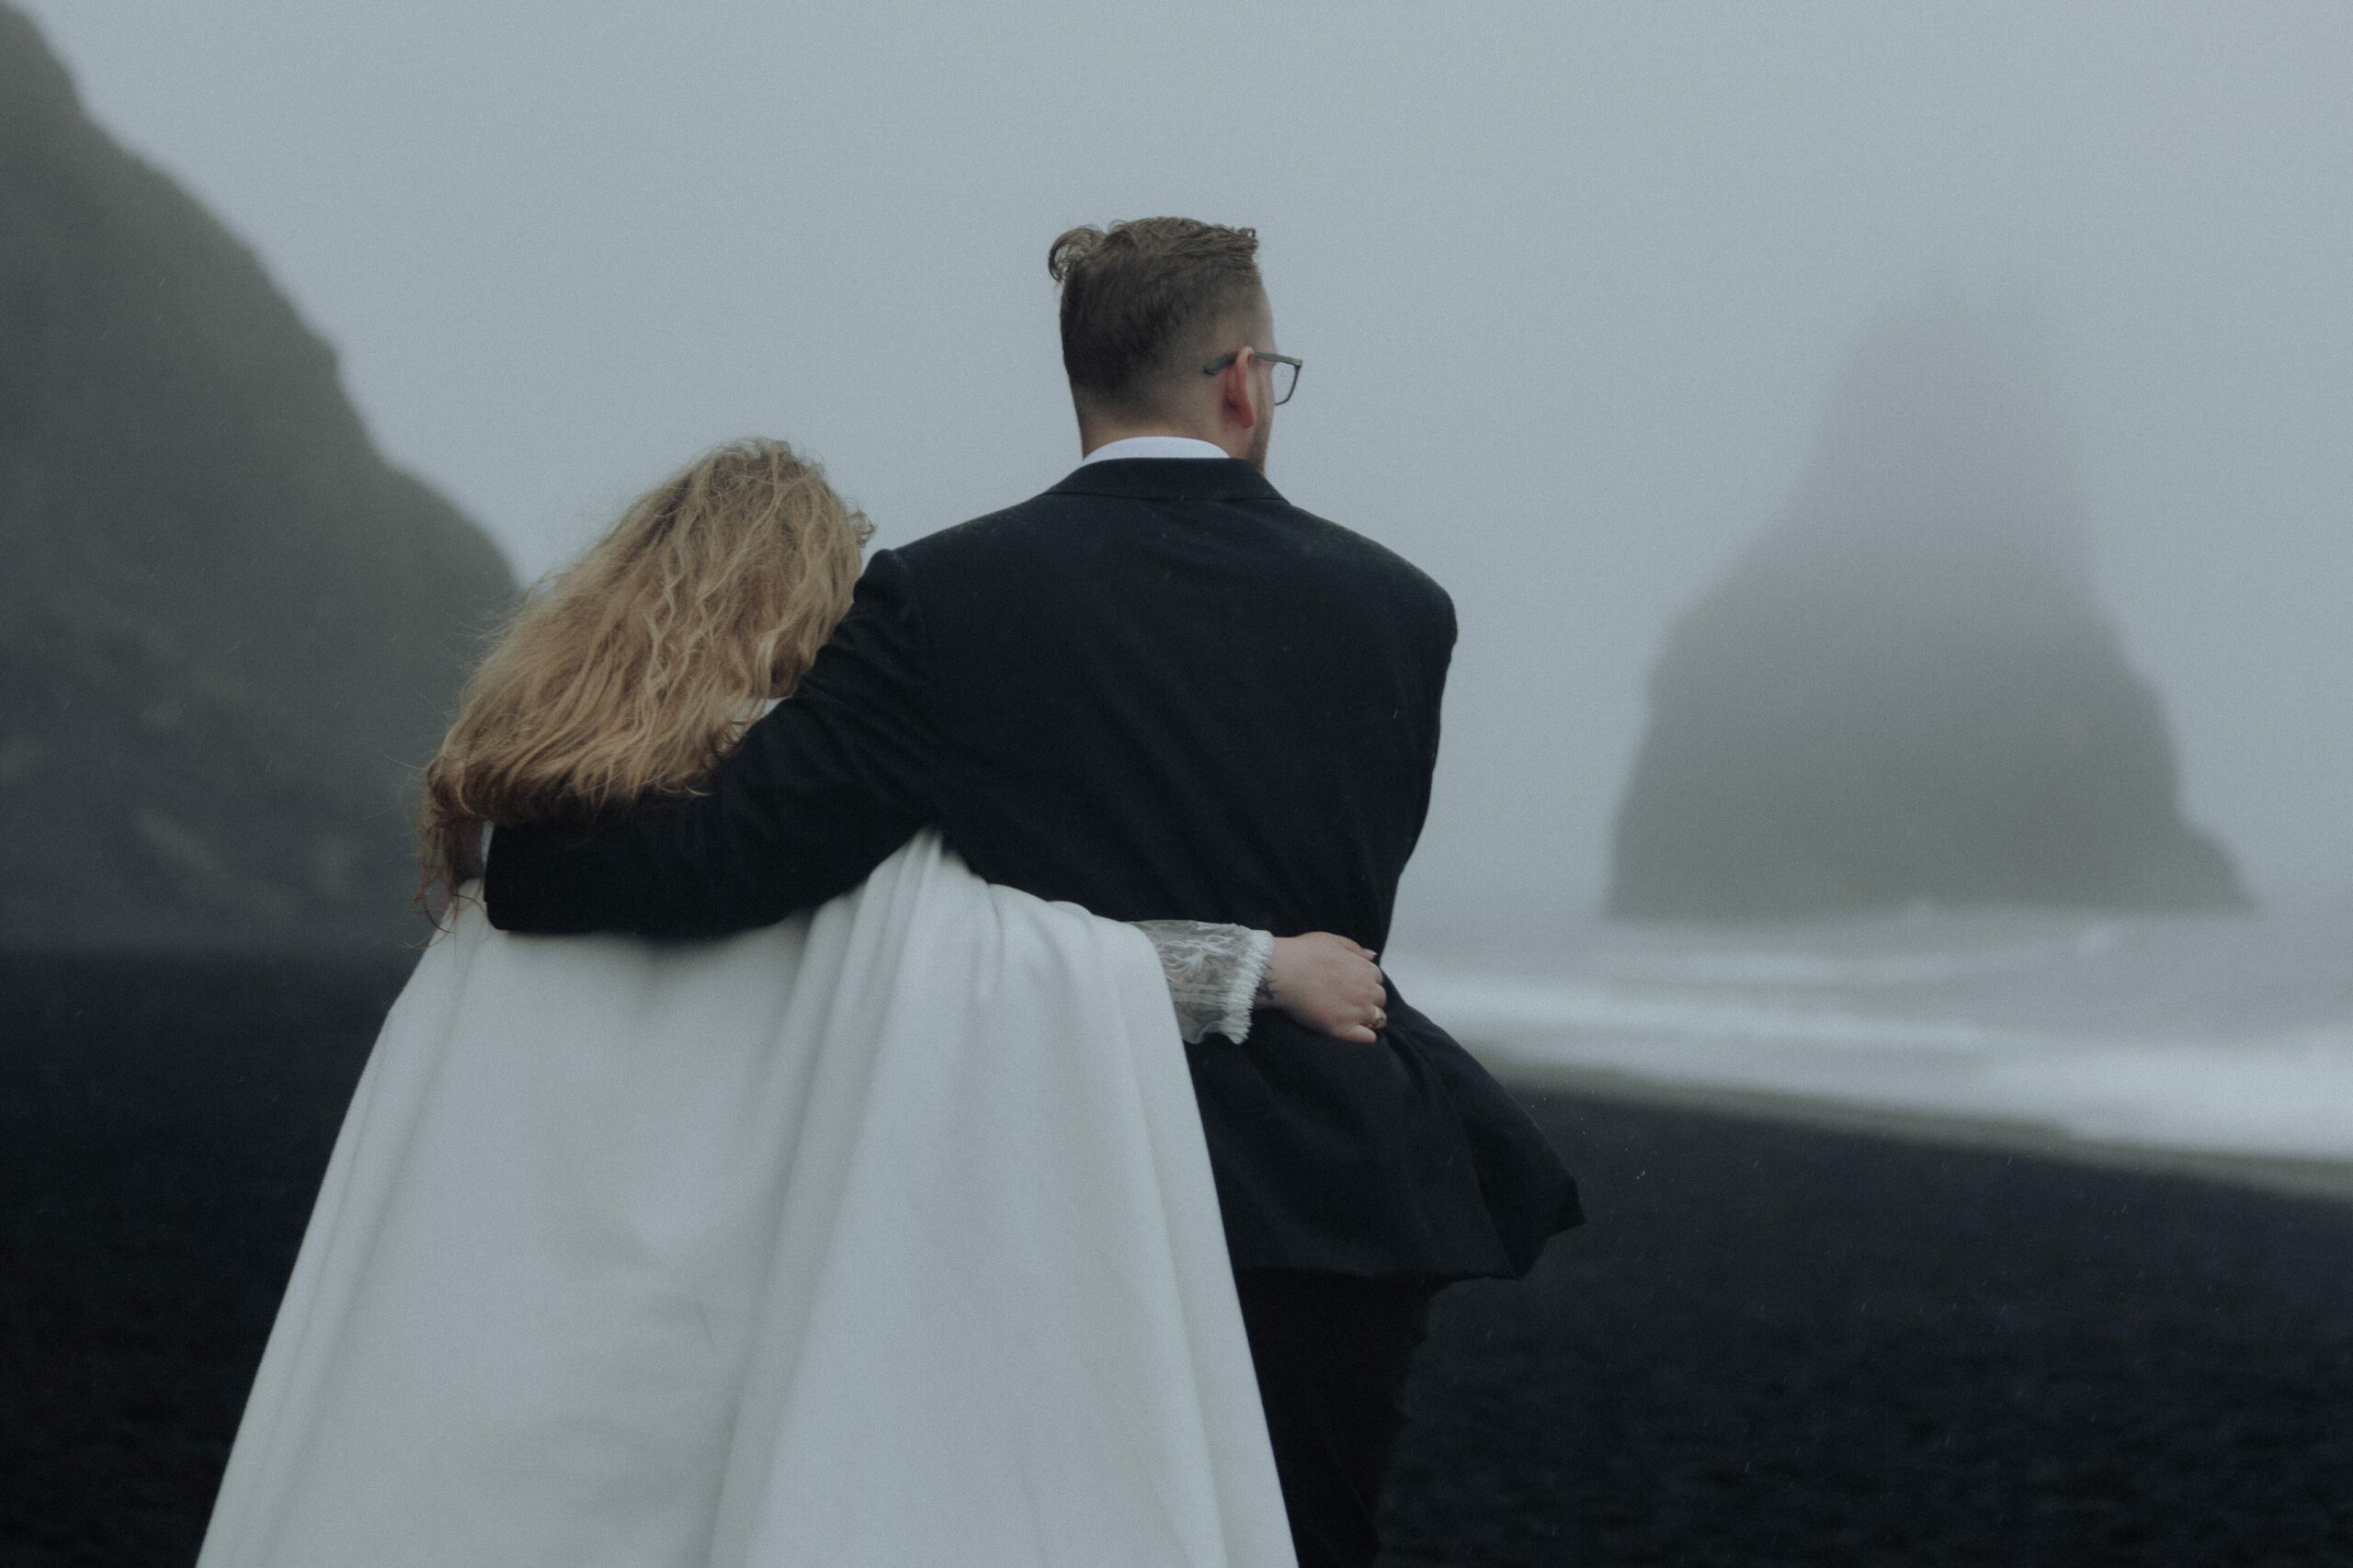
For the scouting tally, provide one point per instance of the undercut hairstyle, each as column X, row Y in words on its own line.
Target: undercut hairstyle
column 1134, row 295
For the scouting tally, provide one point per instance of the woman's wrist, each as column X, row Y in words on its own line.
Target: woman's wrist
column 1262, row 994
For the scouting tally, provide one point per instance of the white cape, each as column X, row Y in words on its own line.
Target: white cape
column 883, row 1236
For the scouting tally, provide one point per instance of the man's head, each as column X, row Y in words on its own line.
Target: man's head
column 1147, row 306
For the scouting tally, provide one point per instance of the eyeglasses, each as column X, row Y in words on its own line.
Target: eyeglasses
column 1284, row 367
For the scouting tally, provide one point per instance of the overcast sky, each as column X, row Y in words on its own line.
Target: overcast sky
column 1570, row 281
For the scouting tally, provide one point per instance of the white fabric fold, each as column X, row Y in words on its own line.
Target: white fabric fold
column 883, row 1236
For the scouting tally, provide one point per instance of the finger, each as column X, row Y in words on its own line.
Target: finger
column 1360, row 1035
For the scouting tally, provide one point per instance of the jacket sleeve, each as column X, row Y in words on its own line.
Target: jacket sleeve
column 816, row 795
column 1438, row 656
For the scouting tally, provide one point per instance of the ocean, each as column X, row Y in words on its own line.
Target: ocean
column 2227, row 1036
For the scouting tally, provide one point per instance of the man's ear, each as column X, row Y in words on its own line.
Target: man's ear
column 1234, row 389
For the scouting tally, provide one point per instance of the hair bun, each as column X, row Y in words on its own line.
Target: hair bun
column 1072, row 249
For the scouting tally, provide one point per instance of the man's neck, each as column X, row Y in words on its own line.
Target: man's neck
column 1152, row 446
column 1093, row 436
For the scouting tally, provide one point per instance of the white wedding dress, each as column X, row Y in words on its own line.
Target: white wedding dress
column 884, row 1236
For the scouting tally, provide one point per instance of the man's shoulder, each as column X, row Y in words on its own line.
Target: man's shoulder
column 1055, row 518
column 1024, row 525
column 1371, row 557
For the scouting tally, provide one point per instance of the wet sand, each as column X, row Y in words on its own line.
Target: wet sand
column 1774, row 1343
column 1781, row 1343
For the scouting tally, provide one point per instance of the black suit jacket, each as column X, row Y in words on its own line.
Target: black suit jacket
column 1157, row 690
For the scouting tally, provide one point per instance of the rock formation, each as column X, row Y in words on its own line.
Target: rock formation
column 1905, row 689
column 228, row 628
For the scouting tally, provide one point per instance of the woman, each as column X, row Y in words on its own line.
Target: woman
column 883, row 1236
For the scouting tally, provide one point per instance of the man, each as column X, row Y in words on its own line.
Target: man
column 1156, row 690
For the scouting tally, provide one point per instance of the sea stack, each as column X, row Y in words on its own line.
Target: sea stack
column 229, row 630
column 1905, row 690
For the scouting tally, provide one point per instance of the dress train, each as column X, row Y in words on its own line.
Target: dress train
column 883, row 1236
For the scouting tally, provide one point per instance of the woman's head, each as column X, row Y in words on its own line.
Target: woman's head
column 633, row 671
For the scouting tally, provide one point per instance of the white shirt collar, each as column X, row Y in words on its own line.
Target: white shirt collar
column 1154, row 446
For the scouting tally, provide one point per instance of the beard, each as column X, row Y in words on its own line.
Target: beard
column 1265, row 433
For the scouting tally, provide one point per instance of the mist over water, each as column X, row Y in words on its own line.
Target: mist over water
column 1891, row 463
column 2227, row 1036
column 1579, row 289
column 1572, row 283
column 1907, row 690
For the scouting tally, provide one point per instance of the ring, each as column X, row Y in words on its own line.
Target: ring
column 1380, row 1018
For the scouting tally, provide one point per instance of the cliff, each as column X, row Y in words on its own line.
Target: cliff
column 1907, row 690
column 228, row 628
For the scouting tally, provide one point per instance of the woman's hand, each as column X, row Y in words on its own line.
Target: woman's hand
column 1328, row 984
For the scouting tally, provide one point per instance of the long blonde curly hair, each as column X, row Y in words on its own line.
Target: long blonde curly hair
column 634, row 671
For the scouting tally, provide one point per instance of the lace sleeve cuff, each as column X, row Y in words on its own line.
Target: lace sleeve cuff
column 1213, row 973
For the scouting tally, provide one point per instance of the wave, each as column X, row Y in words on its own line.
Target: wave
column 1816, row 970
column 2216, row 1037
column 1490, row 1002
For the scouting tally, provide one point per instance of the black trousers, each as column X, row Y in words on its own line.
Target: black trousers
column 1332, row 1352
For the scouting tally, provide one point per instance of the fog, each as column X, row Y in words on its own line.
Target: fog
column 1904, row 693
column 1572, row 284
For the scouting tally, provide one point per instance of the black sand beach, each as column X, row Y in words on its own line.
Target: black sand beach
column 1774, row 1344
column 1771, row 1345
